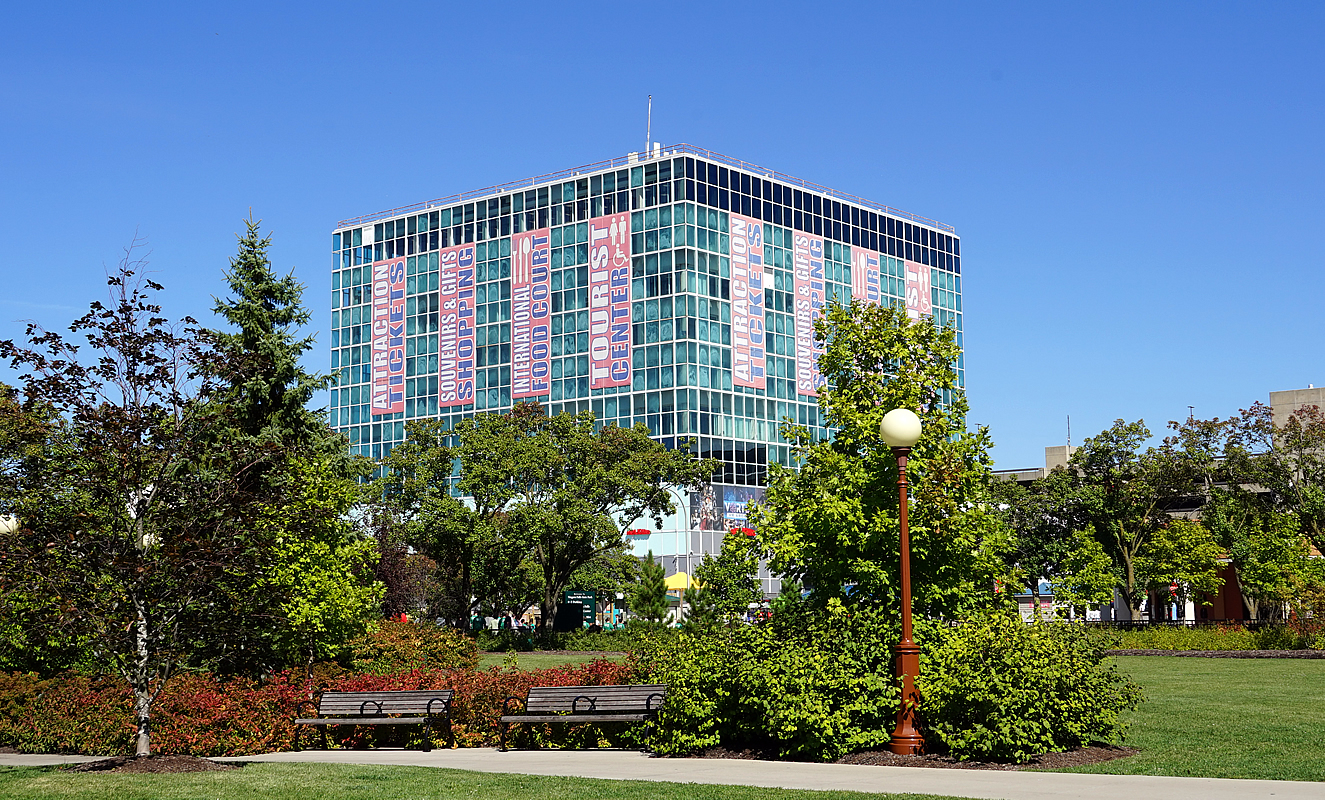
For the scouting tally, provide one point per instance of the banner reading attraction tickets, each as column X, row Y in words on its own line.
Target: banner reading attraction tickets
column 747, row 291
column 389, row 336
column 609, row 301
column 865, row 275
column 809, row 285
column 455, row 341
column 917, row 290
column 530, row 367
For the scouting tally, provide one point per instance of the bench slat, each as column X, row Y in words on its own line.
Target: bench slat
column 575, row 719
column 611, row 698
column 363, row 721
column 401, row 702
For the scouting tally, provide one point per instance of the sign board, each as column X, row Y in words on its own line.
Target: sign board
column 587, row 600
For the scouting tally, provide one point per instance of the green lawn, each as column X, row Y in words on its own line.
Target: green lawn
column 538, row 660
column 1226, row 718
column 348, row 782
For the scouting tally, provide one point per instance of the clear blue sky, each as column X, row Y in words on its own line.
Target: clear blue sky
column 1138, row 186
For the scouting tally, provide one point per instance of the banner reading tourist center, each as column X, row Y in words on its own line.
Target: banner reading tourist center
column 609, row 301
column 530, row 305
column 865, row 275
column 455, row 345
column 917, row 290
column 388, row 365
column 808, row 275
column 747, row 293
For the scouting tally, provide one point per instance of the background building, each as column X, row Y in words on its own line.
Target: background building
column 674, row 288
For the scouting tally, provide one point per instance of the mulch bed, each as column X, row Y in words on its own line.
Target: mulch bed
column 152, row 764
column 1223, row 653
column 883, row 758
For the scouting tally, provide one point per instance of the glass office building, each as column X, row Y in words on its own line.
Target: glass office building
column 674, row 288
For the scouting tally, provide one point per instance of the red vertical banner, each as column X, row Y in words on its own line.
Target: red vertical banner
column 388, row 378
column 455, row 345
column 530, row 314
column 747, row 293
column 609, row 301
column 865, row 275
column 917, row 290
column 808, row 274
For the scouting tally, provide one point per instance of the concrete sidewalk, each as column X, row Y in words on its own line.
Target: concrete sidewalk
column 629, row 765
column 996, row 785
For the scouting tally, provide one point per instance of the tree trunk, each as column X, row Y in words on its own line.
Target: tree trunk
column 142, row 689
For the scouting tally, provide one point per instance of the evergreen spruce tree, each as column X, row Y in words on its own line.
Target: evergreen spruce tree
column 267, row 389
column 649, row 601
column 315, row 588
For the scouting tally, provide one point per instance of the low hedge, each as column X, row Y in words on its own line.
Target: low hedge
column 1298, row 635
column 198, row 714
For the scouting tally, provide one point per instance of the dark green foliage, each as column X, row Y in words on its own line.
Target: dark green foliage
column 648, row 600
column 999, row 688
column 703, row 608
column 807, row 687
column 263, row 382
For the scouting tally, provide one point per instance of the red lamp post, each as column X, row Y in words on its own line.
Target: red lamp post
column 900, row 428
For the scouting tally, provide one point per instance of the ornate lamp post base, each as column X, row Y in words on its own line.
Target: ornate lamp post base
column 906, row 738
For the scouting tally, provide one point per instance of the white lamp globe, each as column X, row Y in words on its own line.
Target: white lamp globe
column 8, row 523
column 900, row 428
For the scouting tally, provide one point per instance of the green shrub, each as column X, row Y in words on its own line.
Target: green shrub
column 803, row 687
column 1000, row 688
column 405, row 646
column 1296, row 635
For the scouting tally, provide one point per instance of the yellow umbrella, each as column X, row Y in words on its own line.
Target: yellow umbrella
column 680, row 580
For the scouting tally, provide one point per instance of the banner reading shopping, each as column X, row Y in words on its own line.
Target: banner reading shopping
column 609, row 301
column 747, row 293
column 808, row 252
column 388, row 377
column 530, row 321
column 455, row 341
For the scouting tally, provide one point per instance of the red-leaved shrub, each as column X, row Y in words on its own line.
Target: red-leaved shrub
column 200, row 715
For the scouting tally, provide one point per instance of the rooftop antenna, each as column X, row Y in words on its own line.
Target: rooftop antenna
column 1069, row 432
column 648, row 131
column 1191, row 413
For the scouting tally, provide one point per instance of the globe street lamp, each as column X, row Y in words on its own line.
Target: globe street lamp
column 900, row 428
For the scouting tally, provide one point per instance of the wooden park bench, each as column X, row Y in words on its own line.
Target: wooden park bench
column 423, row 707
column 573, row 705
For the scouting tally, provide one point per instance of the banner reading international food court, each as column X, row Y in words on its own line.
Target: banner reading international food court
column 455, row 345
column 808, row 252
column 609, row 301
column 747, row 293
column 388, row 336
column 530, row 321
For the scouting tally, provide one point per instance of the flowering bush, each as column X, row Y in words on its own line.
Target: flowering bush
column 198, row 714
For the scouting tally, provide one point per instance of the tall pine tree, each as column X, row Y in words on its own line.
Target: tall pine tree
column 268, row 390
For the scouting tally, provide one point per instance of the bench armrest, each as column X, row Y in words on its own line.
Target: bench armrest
column 364, row 705
column 446, row 706
column 648, row 702
column 575, row 704
column 506, row 704
column 311, row 705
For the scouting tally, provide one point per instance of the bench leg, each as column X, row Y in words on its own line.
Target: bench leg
column 297, row 730
column 450, row 733
column 505, row 726
column 322, row 732
column 427, row 736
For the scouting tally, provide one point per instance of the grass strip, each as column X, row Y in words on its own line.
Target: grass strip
column 354, row 782
column 1225, row 718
